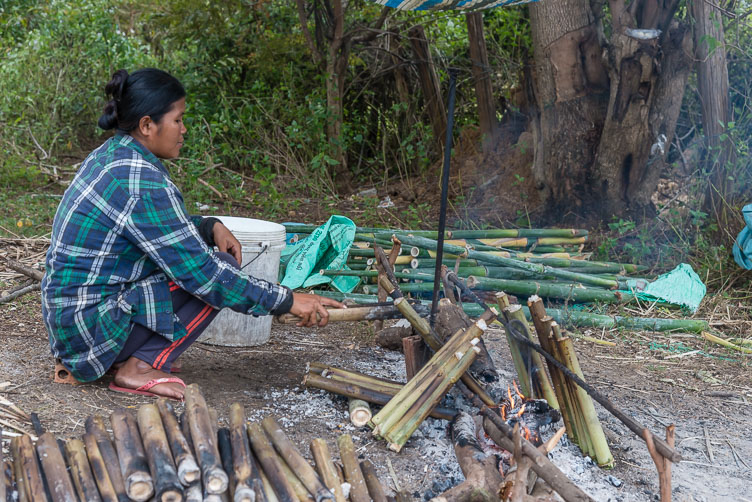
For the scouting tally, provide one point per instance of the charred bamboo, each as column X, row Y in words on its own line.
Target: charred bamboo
column 185, row 462
column 242, row 459
column 224, row 445
column 15, row 448
column 353, row 474
column 375, row 490
column 203, row 437
column 167, row 485
column 30, row 472
column 99, row 469
column 81, row 473
column 95, row 426
column 326, row 468
column 270, row 462
column 133, row 463
column 54, row 469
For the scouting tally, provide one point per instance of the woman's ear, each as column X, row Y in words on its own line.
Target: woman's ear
column 146, row 126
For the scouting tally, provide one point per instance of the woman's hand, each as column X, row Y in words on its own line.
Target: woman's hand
column 306, row 306
column 226, row 242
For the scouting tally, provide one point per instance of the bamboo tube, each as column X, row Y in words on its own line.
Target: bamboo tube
column 133, row 464
column 269, row 495
column 203, row 437
column 98, row 469
column 375, row 490
column 187, row 468
column 575, row 432
column 81, row 473
column 353, row 474
column 430, row 263
column 376, row 383
column 95, row 426
column 573, row 292
column 406, row 402
column 355, row 391
column 594, row 428
column 520, row 366
column 241, row 456
column 349, row 314
column 433, row 341
column 3, row 477
column 167, row 485
column 295, row 460
column 298, row 487
column 54, row 469
column 359, row 411
column 224, row 444
column 32, row 476
column 270, row 463
column 326, row 469
column 539, row 375
column 7, row 480
column 15, row 448
column 399, row 435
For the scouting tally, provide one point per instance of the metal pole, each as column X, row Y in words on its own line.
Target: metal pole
column 444, row 191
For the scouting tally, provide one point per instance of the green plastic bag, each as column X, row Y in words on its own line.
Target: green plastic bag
column 326, row 248
column 682, row 286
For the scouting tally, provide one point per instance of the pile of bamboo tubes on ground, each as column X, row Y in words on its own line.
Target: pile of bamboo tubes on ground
column 155, row 455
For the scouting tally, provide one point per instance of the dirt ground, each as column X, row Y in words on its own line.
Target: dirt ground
column 658, row 379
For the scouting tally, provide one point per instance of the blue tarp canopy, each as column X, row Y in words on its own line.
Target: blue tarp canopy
column 743, row 244
column 448, row 4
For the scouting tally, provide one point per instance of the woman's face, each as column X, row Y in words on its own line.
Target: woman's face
column 164, row 139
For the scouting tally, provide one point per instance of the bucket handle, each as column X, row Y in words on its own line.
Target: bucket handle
column 264, row 248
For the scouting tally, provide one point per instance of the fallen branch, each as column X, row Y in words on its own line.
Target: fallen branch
column 27, row 271
column 20, row 292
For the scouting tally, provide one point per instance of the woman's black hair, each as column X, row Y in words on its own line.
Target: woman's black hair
column 144, row 92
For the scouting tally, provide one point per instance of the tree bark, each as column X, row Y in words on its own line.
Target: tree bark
column 429, row 82
column 481, row 75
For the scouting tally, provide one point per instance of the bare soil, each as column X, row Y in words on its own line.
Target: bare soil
column 658, row 379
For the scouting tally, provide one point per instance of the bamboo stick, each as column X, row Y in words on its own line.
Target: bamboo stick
column 187, row 468
column 270, row 463
column 133, row 464
column 81, row 473
column 349, row 314
column 295, row 460
column 203, row 435
column 243, row 464
column 375, row 490
column 195, row 491
column 99, row 469
column 224, row 446
column 359, row 411
column 353, row 474
column 21, row 488
column 574, row 292
column 326, row 469
column 7, row 491
column 269, row 494
column 725, row 343
column 54, row 469
column 167, row 485
column 567, row 402
column 372, row 382
column 4, row 489
column 300, row 490
column 95, row 426
column 355, row 391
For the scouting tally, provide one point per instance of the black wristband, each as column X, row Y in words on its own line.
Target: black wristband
column 206, row 229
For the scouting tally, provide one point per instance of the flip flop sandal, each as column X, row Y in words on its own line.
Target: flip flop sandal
column 144, row 389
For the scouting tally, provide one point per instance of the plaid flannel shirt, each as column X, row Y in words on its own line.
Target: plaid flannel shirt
column 120, row 234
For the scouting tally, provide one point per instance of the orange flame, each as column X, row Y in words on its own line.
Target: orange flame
column 522, row 410
column 517, row 390
column 510, row 397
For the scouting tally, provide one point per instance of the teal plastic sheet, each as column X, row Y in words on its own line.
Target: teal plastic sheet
column 682, row 286
column 325, row 249
column 743, row 245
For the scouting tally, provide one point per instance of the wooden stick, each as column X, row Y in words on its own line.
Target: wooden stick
column 95, row 426
column 270, row 463
column 54, row 469
column 99, row 469
column 187, row 468
column 7, row 480
column 167, row 485
column 353, row 474
column 349, row 314
column 37, row 275
column 83, row 478
column 242, row 459
column 15, row 448
column 375, row 490
column 326, row 469
column 203, row 437
column 133, row 464
column 662, row 464
column 20, row 292
column 295, row 460
column 416, row 355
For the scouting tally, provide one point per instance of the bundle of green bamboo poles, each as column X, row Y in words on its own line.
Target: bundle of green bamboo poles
column 404, row 413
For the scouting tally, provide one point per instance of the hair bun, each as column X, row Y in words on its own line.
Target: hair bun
column 115, row 86
column 109, row 118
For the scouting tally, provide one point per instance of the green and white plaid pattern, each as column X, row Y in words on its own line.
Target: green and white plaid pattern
column 120, row 234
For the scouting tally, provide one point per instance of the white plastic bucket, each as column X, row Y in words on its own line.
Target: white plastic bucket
column 262, row 244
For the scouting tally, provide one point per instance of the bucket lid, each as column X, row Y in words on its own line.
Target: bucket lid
column 250, row 229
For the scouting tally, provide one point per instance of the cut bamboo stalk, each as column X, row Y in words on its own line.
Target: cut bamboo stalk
column 360, row 412
column 83, row 478
column 54, row 469
column 3, row 477
column 524, row 373
column 539, row 375
column 98, row 469
column 295, row 460
column 300, row 490
column 7, row 479
column 371, row 382
column 194, row 492
column 95, row 425
column 355, row 391
column 574, row 292
column 349, row 314
column 203, row 437
column 594, row 428
column 241, row 456
column 269, row 494
column 15, row 448
column 133, row 463
column 353, row 474
column 225, row 454
column 375, row 490
column 574, row 431
column 268, row 459
column 326, row 469
column 167, row 485
column 408, row 403
column 187, row 468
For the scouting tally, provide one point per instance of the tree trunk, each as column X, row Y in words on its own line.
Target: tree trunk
column 481, row 76
column 713, row 85
column 336, row 66
column 429, row 82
